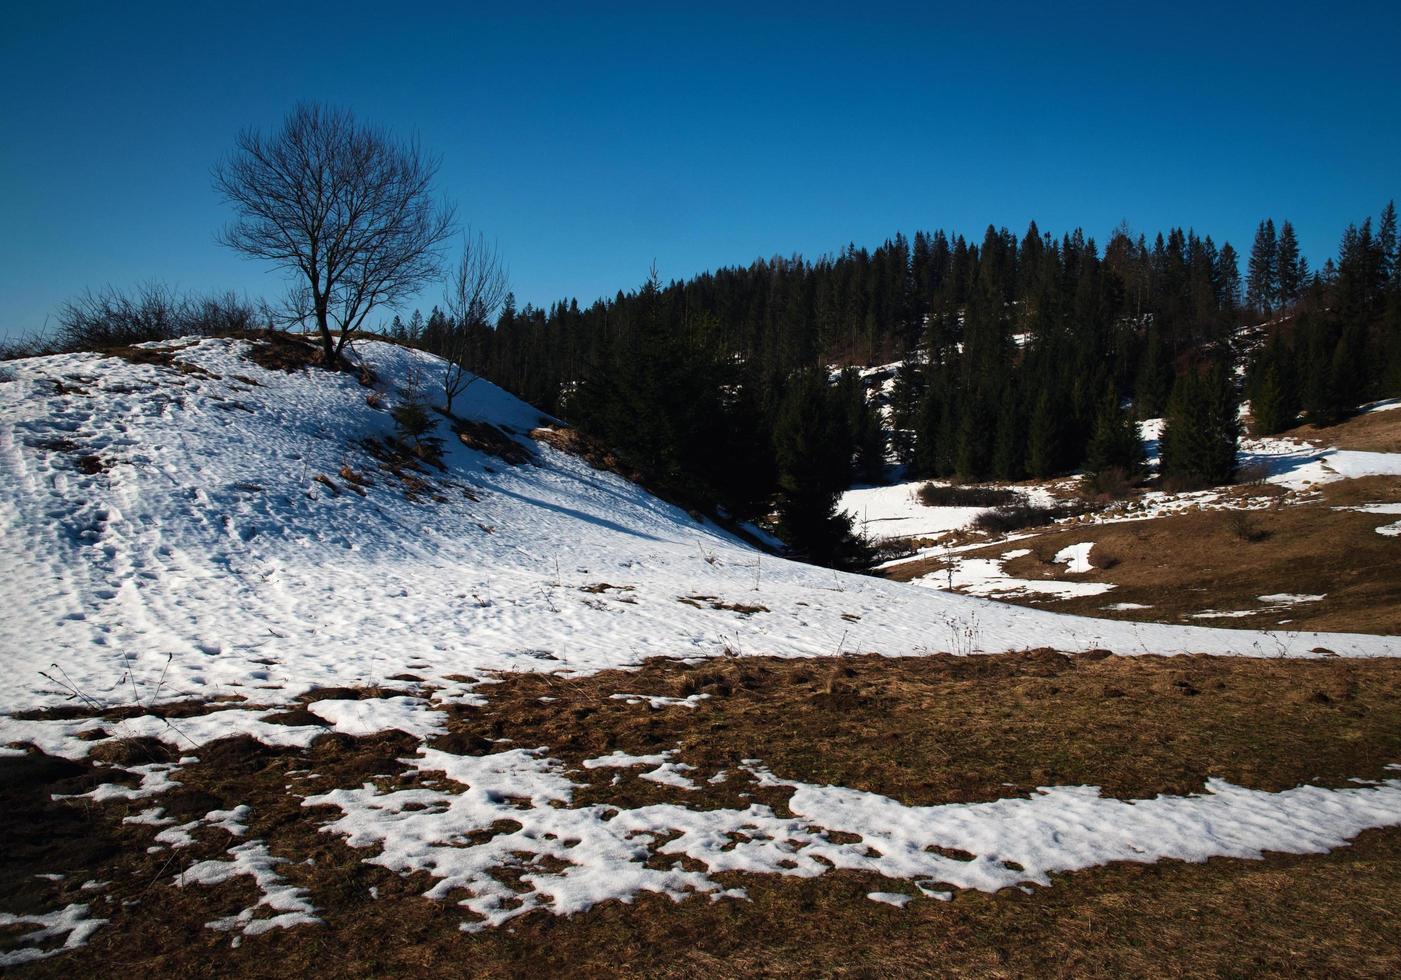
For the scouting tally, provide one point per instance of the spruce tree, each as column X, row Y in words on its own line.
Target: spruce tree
column 1043, row 447
column 810, row 449
column 1262, row 279
column 1114, row 456
column 1202, row 429
column 1293, row 269
column 1273, row 390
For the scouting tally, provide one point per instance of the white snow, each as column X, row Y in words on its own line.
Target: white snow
column 985, row 577
column 575, row 857
column 71, row 922
column 413, row 716
column 897, row 899
column 881, row 513
column 1076, row 558
column 252, row 859
column 1385, row 405
column 1299, row 466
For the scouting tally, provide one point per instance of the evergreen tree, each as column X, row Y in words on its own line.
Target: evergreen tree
column 1202, row 429
column 1043, row 446
column 1273, row 389
column 1293, row 269
column 1262, row 279
column 810, row 448
column 1114, row 456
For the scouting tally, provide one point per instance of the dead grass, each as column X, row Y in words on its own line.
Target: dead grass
column 487, row 438
column 1378, row 432
column 920, row 729
column 923, row 730
column 1183, row 564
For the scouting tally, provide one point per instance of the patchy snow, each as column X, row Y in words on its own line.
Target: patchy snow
column 202, row 559
column 1126, row 606
column 656, row 701
column 1299, row 466
column 413, row 716
column 985, row 577
column 572, row 858
column 671, row 774
column 1385, row 405
column 252, row 859
column 1289, row 598
column 71, row 922
column 1386, row 530
column 621, row 760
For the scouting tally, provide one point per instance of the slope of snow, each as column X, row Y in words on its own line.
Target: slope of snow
column 202, row 558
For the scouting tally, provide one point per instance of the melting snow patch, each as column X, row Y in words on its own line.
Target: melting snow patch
column 572, row 858
column 373, row 715
column 661, row 701
column 253, row 860
column 1289, row 598
column 1126, row 606
column 671, row 774
column 1076, row 558
column 898, row 899
column 71, row 922
column 621, row 760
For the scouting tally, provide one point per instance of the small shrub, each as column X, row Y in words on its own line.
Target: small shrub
column 934, row 495
column 1112, row 482
column 1242, row 525
column 1103, row 560
column 1005, row 520
column 1253, row 474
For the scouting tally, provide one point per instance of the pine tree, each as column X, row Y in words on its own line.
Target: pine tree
column 1293, row 269
column 1043, row 448
column 1274, row 396
column 1202, row 429
column 813, row 463
column 1262, row 279
column 1114, row 457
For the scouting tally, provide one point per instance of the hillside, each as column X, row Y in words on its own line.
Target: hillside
column 303, row 684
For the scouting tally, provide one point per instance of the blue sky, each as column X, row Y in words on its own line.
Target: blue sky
column 589, row 142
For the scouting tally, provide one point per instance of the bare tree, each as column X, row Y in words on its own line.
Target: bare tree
column 344, row 207
column 475, row 288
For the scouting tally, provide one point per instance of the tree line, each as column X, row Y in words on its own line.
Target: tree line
column 1016, row 357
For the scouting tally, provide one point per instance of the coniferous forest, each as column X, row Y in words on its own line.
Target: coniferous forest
column 1017, row 358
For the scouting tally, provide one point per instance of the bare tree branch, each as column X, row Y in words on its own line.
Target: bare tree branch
column 343, row 206
column 475, row 287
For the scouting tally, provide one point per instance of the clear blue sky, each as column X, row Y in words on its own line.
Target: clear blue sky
column 589, row 142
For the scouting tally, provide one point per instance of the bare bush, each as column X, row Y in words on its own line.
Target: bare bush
column 110, row 317
column 1005, row 520
column 1242, row 526
column 934, row 495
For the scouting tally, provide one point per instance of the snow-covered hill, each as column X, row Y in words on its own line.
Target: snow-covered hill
column 164, row 534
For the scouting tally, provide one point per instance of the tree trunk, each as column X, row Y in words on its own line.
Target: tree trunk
column 328, row 345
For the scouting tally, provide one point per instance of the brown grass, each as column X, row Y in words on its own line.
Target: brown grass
column 1189, row 563
column 920, row 729
column 1378, row 432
